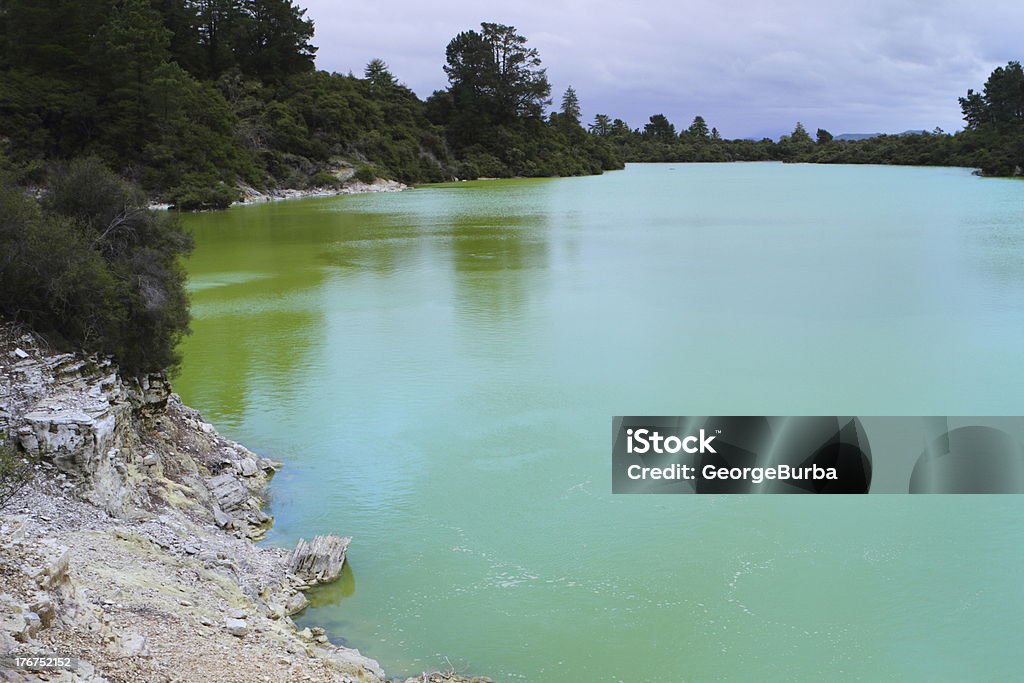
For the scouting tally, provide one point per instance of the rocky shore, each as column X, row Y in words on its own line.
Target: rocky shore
column 132, row 547
column 349, row 186
column 344, row 183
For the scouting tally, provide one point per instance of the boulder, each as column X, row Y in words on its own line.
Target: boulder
column 13, row 620
column 247, row 467
column 54, row 574
column 135, row 645
column 296, row 603
column 320, row 560
column 229, row 492
column 236, row 627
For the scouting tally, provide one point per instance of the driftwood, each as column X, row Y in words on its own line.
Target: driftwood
column 320, row 560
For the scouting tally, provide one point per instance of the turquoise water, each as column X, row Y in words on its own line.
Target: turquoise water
column 438, row 369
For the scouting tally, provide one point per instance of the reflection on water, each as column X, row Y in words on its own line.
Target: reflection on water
column 334, row 593
column 438, row 370
column 499, row 263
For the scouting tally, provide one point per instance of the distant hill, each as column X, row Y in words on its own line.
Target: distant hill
column 868, row 136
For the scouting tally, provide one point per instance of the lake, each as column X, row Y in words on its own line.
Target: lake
column 438, row 370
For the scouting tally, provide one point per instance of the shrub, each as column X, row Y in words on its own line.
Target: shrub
column 198, row 192
column 325, row 180
column 92, row 269
column 365, row 174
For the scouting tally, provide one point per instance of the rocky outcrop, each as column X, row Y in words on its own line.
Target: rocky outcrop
column 132, row 547
column 319, row 561
column 347, row 185
column 128, row 446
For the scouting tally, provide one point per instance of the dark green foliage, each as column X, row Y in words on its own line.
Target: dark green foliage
column 492, row 113
column 264, row 39
column 1002, row 101
column 365, row 174
column 379, row 76
column 698, row 130
column 91, row 268
column 571, row 105
column 602, row 125
column 191, row 98
column 659, row 128
column 994, row 138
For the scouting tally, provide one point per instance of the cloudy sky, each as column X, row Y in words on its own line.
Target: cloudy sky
column 750, row 67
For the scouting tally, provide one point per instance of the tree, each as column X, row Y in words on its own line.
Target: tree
column 93, row 269
column 715, row 135
column 218, row 23
column 824, row 137
column 521, row 86
column 181, row 19
column 275, row 41
column 620, row 128
column 1002, row 101
column 379, row 76
column 601, row 126
column 496, row 66
column 659, row 128
column 469, row 64
column 47, row 87
column 129, row 49
column 698, row 129
column 571, row 105
column 800, row 134
column 975, row 109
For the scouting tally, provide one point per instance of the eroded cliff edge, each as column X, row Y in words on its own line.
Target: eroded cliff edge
column 132, row 547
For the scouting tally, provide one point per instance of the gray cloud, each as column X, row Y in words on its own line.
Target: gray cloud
column 749, row 67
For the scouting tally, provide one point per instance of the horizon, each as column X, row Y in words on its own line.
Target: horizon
column 752, row 71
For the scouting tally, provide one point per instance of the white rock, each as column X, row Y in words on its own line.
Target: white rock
column 319, row 560
column 135, row 645
column 296, row 603
column 236, row 627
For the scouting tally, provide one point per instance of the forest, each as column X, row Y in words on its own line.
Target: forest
column 191, row 98
column 108, row 105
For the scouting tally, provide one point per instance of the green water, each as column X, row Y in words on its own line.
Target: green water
column 439, row 368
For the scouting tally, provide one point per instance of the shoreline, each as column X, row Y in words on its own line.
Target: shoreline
column 133, row 547
column 251, row 195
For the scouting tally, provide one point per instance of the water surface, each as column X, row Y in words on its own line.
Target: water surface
column 439, row 368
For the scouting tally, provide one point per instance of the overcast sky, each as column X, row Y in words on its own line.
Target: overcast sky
column 750, row 67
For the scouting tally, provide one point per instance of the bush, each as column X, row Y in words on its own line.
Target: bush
column 92, row 269
column 199, row 192
column 325, row 180
column 365, row 174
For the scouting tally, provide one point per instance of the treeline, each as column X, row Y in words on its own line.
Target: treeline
column 190, row 98
column 993, row 139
